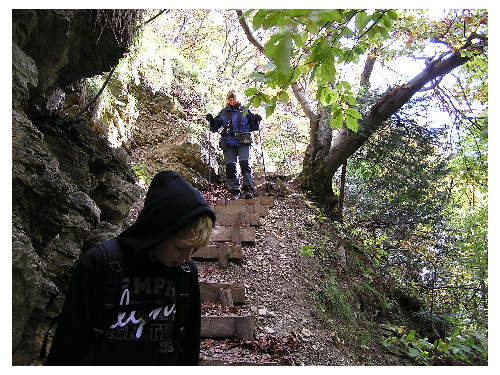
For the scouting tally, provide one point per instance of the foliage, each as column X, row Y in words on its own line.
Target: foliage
column 410, row 213
column 284, row 138
column 332, row 300
column 308, row 45
column 471, row 350
column 142, row 174
column 307, row 250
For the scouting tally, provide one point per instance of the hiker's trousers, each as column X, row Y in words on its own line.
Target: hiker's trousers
column 239, row 154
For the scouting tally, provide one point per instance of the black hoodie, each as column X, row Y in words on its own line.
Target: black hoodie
column 143, row 337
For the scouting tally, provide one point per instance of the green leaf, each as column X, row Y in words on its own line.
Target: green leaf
column 353, row 113
column 270, row 109
column 352, row 123
column 347, row 32
column 387, row 22
column 297, row 12
column 320, row 45
column 337, row 120
column 337, row 110
column 251, row 91
column 284, row 97
column 412, row 352
column 326, row 96
column 312, row 28
column 274, row 18
column 326, row 72
column 265, row 98
column 393, row 14
column 351, row 100
column 279, row 49
column 411, row 334
column 372, row 34
column 331, row 15
column 258, row 18
column 383, row 32
column 346, row 84
column 256, row 101
column 297, row 38
column 361, row 21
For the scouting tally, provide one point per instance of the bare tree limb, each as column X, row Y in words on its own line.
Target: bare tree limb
column 159, row 14
column 299, row 94
column 248, row 33
column 98, row 94
column 368, row 69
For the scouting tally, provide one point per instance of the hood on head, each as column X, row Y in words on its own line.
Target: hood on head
column 171, row 204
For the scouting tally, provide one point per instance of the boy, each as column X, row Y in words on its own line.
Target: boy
column 135, row 300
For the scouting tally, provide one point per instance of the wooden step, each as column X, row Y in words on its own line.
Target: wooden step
column 241, row 218
column 220, row 362
column 234, row 234
column 221, row 251
column 261, row 194
column 211, row 292
column 256, row 201
column 261, row 211
column 242, row 327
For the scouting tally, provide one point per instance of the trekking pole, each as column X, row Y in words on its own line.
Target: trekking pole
column 209, row 154
column 262, row 156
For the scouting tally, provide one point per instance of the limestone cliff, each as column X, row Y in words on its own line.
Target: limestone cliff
column 70, row 190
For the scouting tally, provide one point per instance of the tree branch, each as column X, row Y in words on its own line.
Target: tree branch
column 347, row 143
column 159, row 14
column 368, row 69
column 303, row 102
column 248, row 33
column 313, row 117
column 98, row 94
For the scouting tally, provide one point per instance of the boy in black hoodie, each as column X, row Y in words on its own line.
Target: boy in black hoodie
column 135, row 300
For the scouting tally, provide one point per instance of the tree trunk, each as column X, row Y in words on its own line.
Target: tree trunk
column 342, row 191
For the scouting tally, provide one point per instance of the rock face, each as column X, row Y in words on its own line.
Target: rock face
column 67, row 45
column 70, row 189
column 163, row 137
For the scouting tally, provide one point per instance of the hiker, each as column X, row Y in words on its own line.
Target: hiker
column 235, row 142
column 135, row 300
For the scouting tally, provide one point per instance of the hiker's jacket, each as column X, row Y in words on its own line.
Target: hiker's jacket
column 132, row 312
column 232, row 120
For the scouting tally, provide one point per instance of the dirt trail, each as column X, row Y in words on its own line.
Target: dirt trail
column 278, row 285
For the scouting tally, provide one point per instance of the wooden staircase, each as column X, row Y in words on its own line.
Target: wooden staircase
column 234, row 231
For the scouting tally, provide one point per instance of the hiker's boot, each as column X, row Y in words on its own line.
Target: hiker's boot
column 235, row 194
column 248, row 190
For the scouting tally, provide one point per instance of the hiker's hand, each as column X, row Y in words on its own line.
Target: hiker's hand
column 209, row 117
column 258, row 118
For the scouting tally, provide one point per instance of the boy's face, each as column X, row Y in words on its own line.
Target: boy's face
column 172, row 252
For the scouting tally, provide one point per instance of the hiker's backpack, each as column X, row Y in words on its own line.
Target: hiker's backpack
column 110, row 278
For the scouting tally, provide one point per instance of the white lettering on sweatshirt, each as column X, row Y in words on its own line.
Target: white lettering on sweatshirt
column 122, row 319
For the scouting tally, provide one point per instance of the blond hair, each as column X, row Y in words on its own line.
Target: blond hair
column 196, row 234
column 230, row 94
